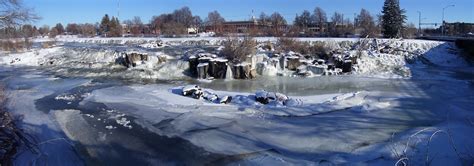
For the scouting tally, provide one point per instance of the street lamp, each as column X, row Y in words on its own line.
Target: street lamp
column 442, row 28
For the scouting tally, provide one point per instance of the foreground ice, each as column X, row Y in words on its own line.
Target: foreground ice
column 367, row 127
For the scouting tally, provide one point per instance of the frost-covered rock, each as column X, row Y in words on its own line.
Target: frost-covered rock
column 293, row 62
column 265, row 97
column 225, row 99
column 193, row 91
column 202, row 70
column 244, row 71
column 317, row 69
column 153, row 44
column 212, row 97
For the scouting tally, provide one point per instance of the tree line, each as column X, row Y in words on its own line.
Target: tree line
column 389, row 23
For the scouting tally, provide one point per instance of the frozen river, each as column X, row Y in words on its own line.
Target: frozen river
column 179, row 134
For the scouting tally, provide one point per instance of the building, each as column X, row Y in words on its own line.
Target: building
column 458, row 28
column 251, row 26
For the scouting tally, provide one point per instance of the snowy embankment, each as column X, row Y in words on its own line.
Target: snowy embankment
column 401, row 55
column 93, row 62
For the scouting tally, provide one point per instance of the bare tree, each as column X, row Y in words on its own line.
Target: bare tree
column 319, row 18
column 88, row 30
column 13, row 13
column 366, row 22
column 264, row 19
column 183, row 16
column 54, row 32
column 28, row 30
column 137, row 26
column 337, row 24
column 44, row 30
column 72, row 29
column 215, row 20
column 304, row 20
column 277, row 22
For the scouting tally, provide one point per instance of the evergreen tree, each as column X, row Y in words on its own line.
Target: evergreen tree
column 393, row 19
column 115, row 29
column 60, row 28
column 304, row 20
column 104, row 25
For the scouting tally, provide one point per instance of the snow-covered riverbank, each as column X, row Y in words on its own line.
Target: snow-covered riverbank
column 97, row 57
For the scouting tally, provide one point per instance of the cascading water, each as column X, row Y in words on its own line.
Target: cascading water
column 228, row 74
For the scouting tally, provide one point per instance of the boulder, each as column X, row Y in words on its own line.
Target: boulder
column 275, row 62
column 132, row 59
column 293, row 62
column 347, row 66
column 253, row 73
column 225, row 99
column 162, row 59
column 320, row 62
column 193, row 91
column 218, row 68
column 331, row 66
column 212, row 97
column 317, row 69
column 243, row 71
column 193, row 63
column 261, row 96
column 338, row 63
column 265, row 97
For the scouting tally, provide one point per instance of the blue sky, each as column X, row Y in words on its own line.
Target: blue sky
column 91, row 11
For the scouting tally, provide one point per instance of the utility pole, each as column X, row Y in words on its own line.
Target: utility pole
column 118, row 9
column 442, row 24
column 419, row 23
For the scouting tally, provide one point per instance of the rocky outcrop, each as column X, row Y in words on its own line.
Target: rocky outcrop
column 202, row 70
column 347, row 66
column 293, row 62
column 265, row 97
column 318, row 69
column 218, row 68
column 244, row 71
column 192, row 90
column 193, row 63
column 197, row 92
column 132, row 59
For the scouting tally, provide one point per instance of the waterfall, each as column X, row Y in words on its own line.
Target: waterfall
column 228, row 74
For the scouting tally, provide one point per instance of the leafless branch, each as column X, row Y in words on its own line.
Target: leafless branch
column 13, row 13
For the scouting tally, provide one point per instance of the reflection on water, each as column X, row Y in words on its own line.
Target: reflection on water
column 298, row 86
